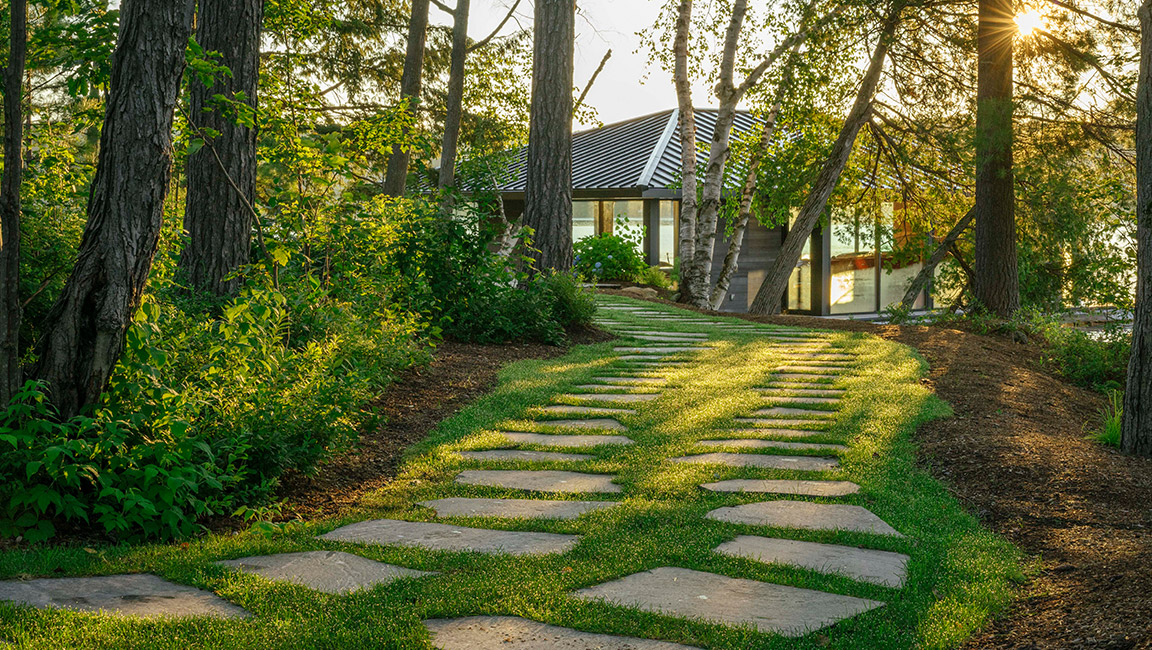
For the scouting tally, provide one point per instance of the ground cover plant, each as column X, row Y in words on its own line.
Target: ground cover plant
column 959, row 574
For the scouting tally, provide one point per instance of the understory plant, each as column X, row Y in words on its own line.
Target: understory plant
column 611, row 256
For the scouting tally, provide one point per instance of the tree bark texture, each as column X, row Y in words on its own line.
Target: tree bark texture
column 548, row 193
column 10, row 308
column 997, row 286
column 396, row 178
column 921, row 280
column 455, row 102
column 1136, row 429
column 84, row 333
column 771, row 292
column 221, row 194
column 688, row 187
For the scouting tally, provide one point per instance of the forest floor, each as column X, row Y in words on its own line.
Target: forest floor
column 1017, row 455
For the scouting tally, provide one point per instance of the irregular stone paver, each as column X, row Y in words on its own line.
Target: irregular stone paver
column 803, row 514
column 656, row 349
column 812, row 378
column 819, row 356
column 623, row 398
column 521, row 455
column 745, row 443
column 566, row 409
column 617, row 387
column 805, row 488
column 768, row 607
column 141, row 594
column 590, row 423
column 775, row 433
column 878, row 567
column 540, row 480
column 513, row 633
column 630, row 380
column 781, row 411
column 442, row 537
column 331, row 572
column 794, row 399
column 802, row 389
column 801, row 463
column 514, row 508
column 570, row 440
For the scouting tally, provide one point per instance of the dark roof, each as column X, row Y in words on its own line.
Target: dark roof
column 640, row 153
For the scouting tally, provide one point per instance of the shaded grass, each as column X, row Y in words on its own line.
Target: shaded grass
column 959, row 573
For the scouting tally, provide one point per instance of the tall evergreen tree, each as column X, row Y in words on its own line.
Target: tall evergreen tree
column 10, row 374
column 455, row 103
column 410, row 84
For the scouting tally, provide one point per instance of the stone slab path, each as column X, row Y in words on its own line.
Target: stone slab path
column 561, row 440
column 607, row 424
column 802, row 488
column 141, row 595
column 746, row 443
column 331, row 572
column 806, row 515
column 513, row 633
column 514, row 508
column 877, row 567
column 626, row 398
column 513, row 455
column 799, row 463
column 565, row 409
column 442, row 537
column 540, row 480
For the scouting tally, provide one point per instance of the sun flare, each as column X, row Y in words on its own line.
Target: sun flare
column 1029, row 21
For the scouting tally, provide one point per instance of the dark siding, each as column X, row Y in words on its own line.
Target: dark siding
column 760, row 248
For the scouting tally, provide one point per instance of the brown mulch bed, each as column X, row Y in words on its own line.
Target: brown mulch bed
column 1016, row 455
column 413, row 405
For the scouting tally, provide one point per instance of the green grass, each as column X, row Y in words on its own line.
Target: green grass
column 959, row 574
column 1111, row 419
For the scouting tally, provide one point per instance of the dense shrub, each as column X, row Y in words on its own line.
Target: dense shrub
column 610, row 257
column 1097, row 363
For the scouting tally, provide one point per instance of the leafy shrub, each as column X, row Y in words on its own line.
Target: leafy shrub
column 610, row 257
column 654, row 276
column 573, row 304
column 1099, row 363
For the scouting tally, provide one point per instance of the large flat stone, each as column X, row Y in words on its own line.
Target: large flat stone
column 764, row 434
column 819, row 356
column 803, row 488
column 792, row 412
column 141, row 594
column 540, row 480
column 801, row 399
column 800, row 463
column 513, row 633
column 566, row 409
column 630, row 381
column 607, row 424
column 746, row 443
column 442, row 537
column 809, row 377
column 570, row 440
column 657, row 349
column 799, row 389
column 780, row 422
column 331, row 572
column 878, row 567
column 513, row 508
column 807, row 515
column 620, row 398
column 607, row 387
column 521, row 455
column 768, row 607
column 823, row 371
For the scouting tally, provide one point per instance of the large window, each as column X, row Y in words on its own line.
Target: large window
column 584, row 217
column 853, row 262
column 669, row 231
column 900, row 256
column 591, row 218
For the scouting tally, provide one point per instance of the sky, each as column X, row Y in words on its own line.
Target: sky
column 620, row 92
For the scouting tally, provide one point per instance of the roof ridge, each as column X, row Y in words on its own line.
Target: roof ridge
column 658, row 150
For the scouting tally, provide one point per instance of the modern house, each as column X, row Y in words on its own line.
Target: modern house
column 630, row 171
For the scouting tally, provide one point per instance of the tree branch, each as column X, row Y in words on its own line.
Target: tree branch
column 487, row 39
column 592, row 80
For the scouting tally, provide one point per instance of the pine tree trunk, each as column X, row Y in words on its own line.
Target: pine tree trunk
column 10, row 308
column 455, row 102
column 221, row 193
column 997, row 285
column 548, row 193
column 410, row 83
column 688, row 187
column 1136, row 430
column 938, row 255
column 84, row 333
column 771, row 292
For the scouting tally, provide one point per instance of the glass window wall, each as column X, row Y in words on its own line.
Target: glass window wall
column 853, row 262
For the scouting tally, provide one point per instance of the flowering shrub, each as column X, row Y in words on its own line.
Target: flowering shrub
column 610, row 257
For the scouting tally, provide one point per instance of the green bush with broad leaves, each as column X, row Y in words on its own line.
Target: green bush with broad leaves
column 611, row 257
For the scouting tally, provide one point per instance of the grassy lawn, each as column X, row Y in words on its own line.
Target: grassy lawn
column 959, row 573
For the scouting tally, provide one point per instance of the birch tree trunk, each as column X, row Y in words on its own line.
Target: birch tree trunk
column 84, row 332
column 455, row 102
column 997, row 284
column 938, row 255
column 410, row 83
column 771, row 292
column 10, row 308
column 219, row 208
column 688, row 188
column 1136, row 429
column 548, row 192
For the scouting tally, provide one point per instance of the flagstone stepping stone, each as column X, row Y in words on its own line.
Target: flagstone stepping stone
column 820, row 370
column 331, row 572
column 540, row 480
column 521, row 455
column 626, row 398
column 808, row 377
column 672, row 591
column 882, row 568
column 806, row 515
column 648, row 332
column 801, row 389
column 667, row 339
column 787, row 412
column 818, row 356
column 746, row 443
column 803, row 488
column 567, row 409
column 591, row 423
column 642, row 357
column 442, row 537
column 571, row 440
column 514, row 633
column 514, row 508
column 775, row 433
column 794, row 399
column 781, row 422
column 610, row 387
column 800, row 463
column 140, row 594
column 658, row 349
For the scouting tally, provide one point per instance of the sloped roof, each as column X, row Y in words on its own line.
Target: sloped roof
column 640, row 153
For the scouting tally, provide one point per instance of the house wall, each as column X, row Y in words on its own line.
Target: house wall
column 758, row 252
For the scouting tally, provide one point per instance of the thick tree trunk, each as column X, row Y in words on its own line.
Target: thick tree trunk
column 688, row 200
column 455, row 106
column 997, row 285
column 771, row 292
column 410, row 83
column 938, row 255
column 84, row 333
column 10, row 308
column 219, row 207
column 548, row 193
column 1136, row 430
